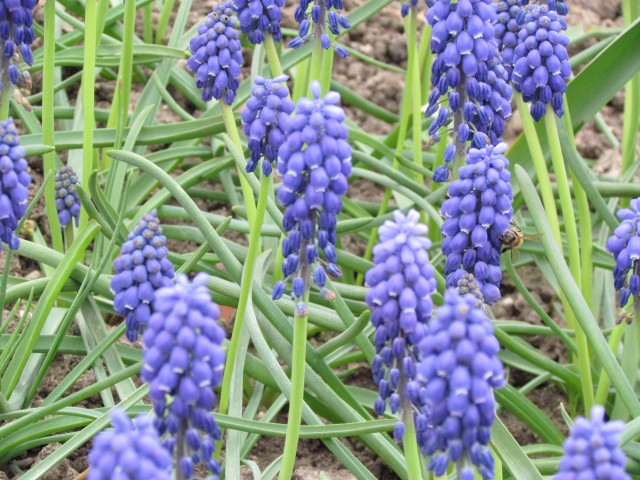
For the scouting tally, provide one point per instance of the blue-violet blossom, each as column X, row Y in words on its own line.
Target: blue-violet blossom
column 216, row 55
column 541, row 62
column 131, row 451
column 315, row 163
column 477, row 214
column 183, row 362
column 323, row 14
column 459, row 369
column 624, row 244
column 592, row 450
column 16, row 34
column 259, row 16
column 511, row 15
column 67, row 199
column 141, row 269
column 401, row 284
column 266, row 118
column 14, row 184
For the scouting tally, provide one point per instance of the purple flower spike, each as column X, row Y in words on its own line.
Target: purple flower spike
column 130, row 451
column 183, row 362
column 216, row 55
column 266, row 118
column 477, row 214
column 401, row 284
column 141, row 269
column 314, row 23
column 541, row 62
column 14, row 184
column 16, row 35
column 624, row 244
column 259, row 16
column 511, row 15
column 459, row 369
column 592, row 450
column 315, row 163
column 67, row 199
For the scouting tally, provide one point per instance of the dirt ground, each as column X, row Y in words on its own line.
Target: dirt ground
column 383, row 39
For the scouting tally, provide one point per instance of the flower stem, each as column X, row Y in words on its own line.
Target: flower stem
column 5, row 93
column 605, row 382
column 272, row 55
column 410, row 441
column 416, row 94
column 317, row 53
column 630, row 10
column 180, row 450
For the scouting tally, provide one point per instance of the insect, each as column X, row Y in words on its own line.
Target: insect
column 514, row 238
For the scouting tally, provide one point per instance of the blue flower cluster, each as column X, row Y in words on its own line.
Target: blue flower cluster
column 592, row 450
column 624, row 244
column 16, row 34
column 477, row 215
column 141, row 269
column 324, row 13
column 14, row 184
column 216, row 55
column 468, row 69
column 511, row 15
column 129, row 451
column 67, row 199
column 401, row 284
column 183, row 362
column 459, row 369
column 315, row 163
column 259, row 16
column 541, row 62
column 266, row 118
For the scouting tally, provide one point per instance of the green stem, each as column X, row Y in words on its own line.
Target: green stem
column 48, row 121
column 147, row 23
column 410, row 443
column 5, row 93
column 164, row 21
column 630, row 10
column 301, row 83
column 424, row 52
column 317, row 54
column 566, row 204
column 68, row 235
column 605, row 382
column 272, row 55
column 416, row 94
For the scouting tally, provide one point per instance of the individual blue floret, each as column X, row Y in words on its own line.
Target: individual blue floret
column 511, row 15
column 315, row 21
column 131, row 451
column 592, row 450
column 477, row 214
column 141, row 269
column 257, row 17
column 16, row 35
column 541, row 62
column 14, row 184
column 315, row 163
column 183, row 362
column 266, row 118
column 67, row 199
column 459, row 370
column 216, row 55
column 401, row 284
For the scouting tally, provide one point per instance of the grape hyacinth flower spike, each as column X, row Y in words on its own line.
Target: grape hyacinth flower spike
column 313, row 25
column 14, row 184
column 315, row 163
column 511, row 15
column 459, row 370
column 16, row 34
column 67, row 199
column 183, row 362
column 401, row 284
column 141, row 269
column 477, row 215
column 130, row 451
column 257, row 17
column 624, row 244
column 541, row 62
column 216, row 55
column 266, row 118
column 592, row 450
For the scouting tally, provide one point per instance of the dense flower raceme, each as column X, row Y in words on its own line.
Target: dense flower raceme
column 131, row 451
column 14, row 184
column 315, row 163
column 401, row 284
column 541, row 62
column 477, row 214
column 259, row 16
column 216, row 55
column 323, row 14
column 141, row 269
column 16, row 34
column 468, row 69
column 67, row 199
column 183, row 362
column 511, row 15
column 266, row 118
column 624, row 244
column 592, row 450
column 459, row 369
